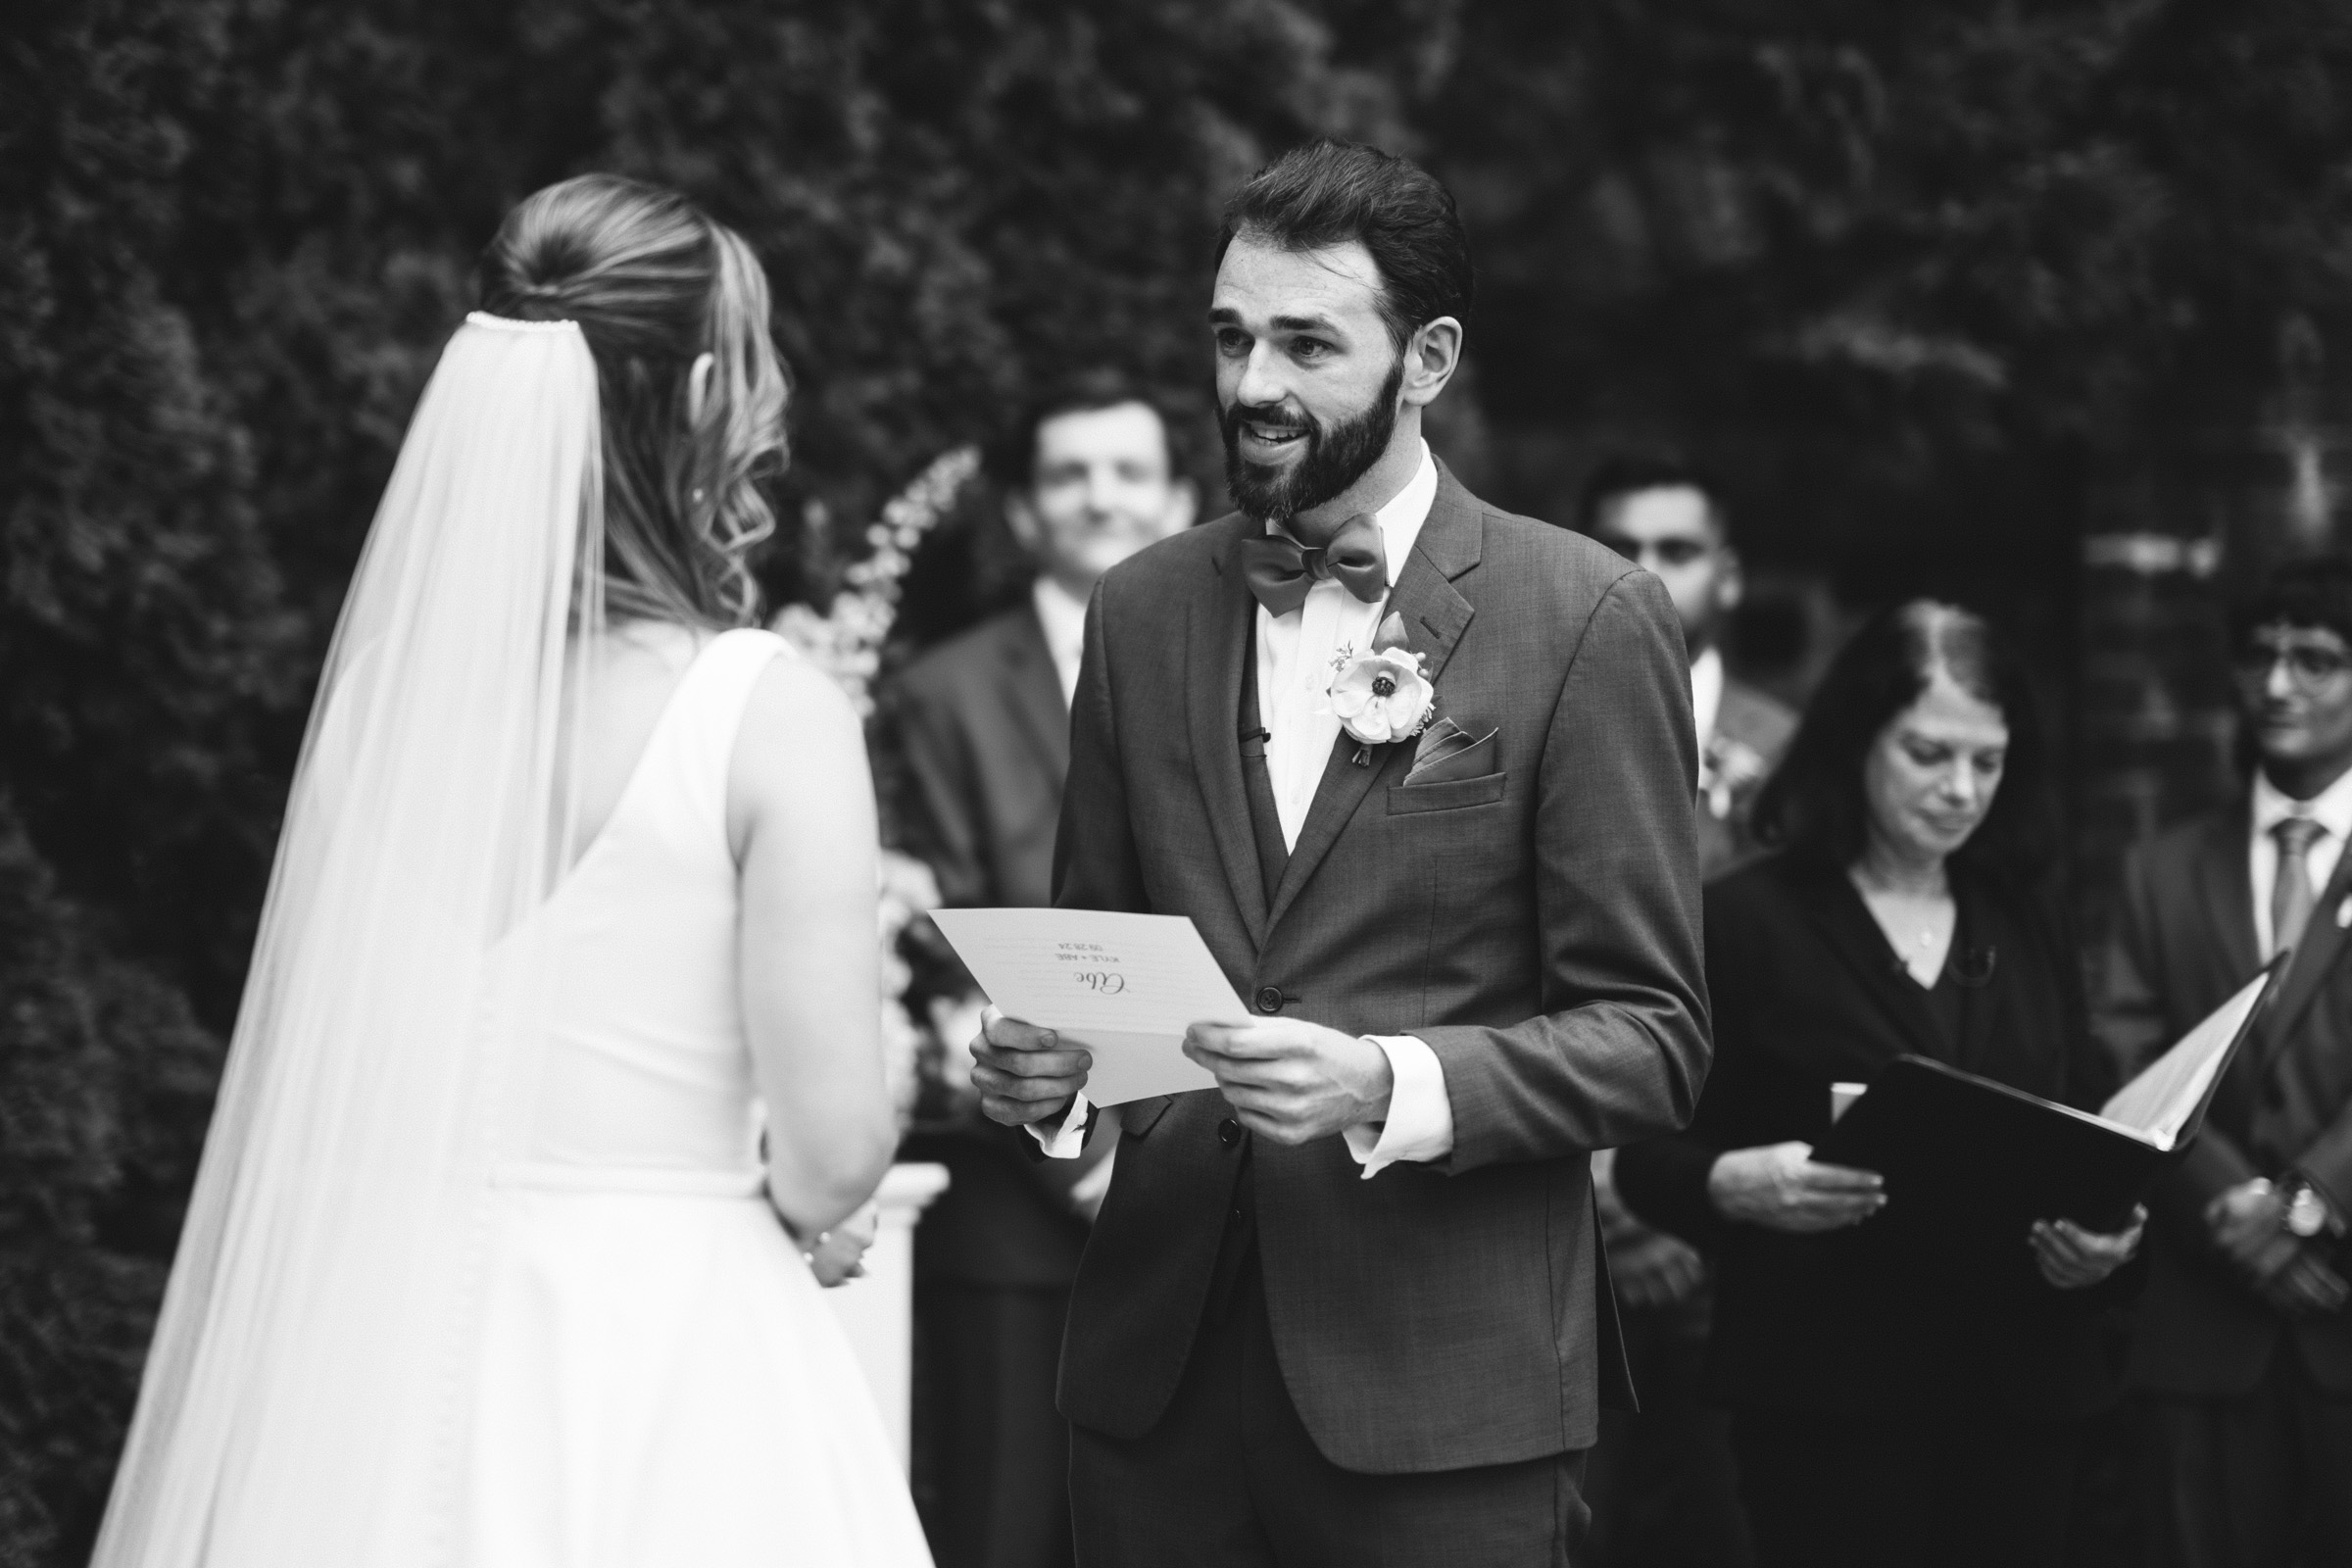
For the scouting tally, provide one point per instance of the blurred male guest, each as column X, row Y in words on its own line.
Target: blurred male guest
column 1663, row 1489
column 1348, row 1305
column 1090, row 479
column 1665, row 515
column 2243, row 1349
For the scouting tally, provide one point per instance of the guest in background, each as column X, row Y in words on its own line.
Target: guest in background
column 1662, row 1486
column 1666, row 516
column 1090, row 477
column 1891, row 1406
column 2242, row 1350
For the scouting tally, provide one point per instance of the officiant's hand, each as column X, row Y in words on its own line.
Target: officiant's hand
column 2072, row 1258
column 1022, row 1072
column 1292, row 1081
column 1782, row 1187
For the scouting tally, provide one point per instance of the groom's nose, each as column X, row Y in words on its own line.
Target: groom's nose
column 1263, row 384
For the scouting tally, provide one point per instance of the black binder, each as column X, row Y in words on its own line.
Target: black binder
column 1971, row 1163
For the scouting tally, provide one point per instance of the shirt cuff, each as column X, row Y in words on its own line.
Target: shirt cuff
column 1420, row 1124
column 1086, row 1195
column 1069, row 1140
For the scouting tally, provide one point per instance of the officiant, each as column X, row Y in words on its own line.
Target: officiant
column 1090, row 476
column 1888, row 1407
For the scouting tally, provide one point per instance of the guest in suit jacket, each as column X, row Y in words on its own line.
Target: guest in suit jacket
column 1662, row 1485
column 1349, row 1305
column 1090, row 476
column 2244, row 1347
column 1891, row 1406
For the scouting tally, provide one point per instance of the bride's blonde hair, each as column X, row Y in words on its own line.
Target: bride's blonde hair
column 653, row 284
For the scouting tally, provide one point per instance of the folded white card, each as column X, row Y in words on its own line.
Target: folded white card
column 1125, row 987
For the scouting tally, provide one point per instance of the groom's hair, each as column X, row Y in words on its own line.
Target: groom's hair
column 1328, row 193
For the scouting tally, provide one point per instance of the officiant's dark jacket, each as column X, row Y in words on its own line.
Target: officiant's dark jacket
column 2184, row 943
column 1807, row 993
column 1537, row 924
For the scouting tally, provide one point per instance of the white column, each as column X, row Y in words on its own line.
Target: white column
column 878, row 1310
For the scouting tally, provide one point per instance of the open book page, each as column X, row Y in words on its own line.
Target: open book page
column 2158, row 1103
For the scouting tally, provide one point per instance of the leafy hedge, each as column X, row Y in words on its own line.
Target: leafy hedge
column 1919, row 271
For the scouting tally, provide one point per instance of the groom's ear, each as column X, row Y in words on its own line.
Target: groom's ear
column 1431, row 356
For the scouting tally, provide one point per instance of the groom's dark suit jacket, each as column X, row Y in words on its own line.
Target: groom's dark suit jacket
column 1537, row 924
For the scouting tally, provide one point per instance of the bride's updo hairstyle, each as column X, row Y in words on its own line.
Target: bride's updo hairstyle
column 654, row 284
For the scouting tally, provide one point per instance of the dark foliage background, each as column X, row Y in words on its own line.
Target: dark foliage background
column 1942, row 286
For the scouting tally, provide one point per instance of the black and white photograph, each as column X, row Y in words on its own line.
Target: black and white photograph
column 1175, row 784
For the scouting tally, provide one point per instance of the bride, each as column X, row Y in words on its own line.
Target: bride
column 561, row 1025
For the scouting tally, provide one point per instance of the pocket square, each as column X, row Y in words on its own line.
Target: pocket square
column 1450, row 751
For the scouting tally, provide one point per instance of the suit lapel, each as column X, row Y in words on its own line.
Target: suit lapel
column 1036, row 692
column 1221, row 622
column 1435, row 617
column 2225, row 893
column 2313, row 956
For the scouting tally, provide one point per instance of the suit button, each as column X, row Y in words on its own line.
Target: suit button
column 1229, row 1132
column 1269, row 999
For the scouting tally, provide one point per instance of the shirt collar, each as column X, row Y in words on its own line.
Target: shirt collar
column 2332, row 807
column 1061, row 614
column 1399, row 521
column 1706, row 693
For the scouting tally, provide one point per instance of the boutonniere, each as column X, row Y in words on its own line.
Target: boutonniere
column 1728, row 770
column 1383, row 694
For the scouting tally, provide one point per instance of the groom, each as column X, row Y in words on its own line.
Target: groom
column 1350, row 1306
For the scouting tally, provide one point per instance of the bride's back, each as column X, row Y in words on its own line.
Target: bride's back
column 640, row 1064
column 627, row 677
column 691, row 398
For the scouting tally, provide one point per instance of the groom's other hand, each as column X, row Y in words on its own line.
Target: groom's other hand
column 1022, row 1072
column 1292, row 1081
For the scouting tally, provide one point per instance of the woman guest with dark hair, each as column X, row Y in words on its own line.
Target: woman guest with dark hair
column 1891, row 1406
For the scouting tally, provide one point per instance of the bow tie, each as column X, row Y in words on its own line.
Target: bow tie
column 1281, row 570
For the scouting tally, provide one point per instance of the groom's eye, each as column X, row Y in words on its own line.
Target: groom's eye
column 1232, row 340
column 1310, row 348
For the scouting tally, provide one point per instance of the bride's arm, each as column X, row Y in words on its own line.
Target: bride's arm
column 801, row 814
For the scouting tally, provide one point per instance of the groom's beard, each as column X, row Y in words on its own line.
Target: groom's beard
column 1336, row 457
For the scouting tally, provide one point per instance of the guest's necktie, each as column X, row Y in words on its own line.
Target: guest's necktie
column 2292, row 897
column 1281, row 570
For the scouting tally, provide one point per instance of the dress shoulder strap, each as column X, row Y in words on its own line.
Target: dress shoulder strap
column 705, row 713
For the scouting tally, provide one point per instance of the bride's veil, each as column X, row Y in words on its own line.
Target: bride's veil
column 318, row 1316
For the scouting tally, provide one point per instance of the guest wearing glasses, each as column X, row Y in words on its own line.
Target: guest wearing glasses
column 1661, row 1483
column 2242, row 1350
column 1890, row 1405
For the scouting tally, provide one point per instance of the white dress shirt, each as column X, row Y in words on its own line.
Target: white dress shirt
column 1061, row 614
column 1298, row 656
column 2331, row 808
column 1706, row 694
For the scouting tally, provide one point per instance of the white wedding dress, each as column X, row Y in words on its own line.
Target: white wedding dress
column 656, row 1380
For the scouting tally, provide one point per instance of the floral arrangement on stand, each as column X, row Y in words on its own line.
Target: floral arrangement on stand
column 846, row 641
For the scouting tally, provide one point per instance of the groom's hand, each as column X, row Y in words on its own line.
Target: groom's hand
column 1021, row 1071
column 1292, row 1081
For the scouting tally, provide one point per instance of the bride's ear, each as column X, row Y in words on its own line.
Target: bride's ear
column 698, row 386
